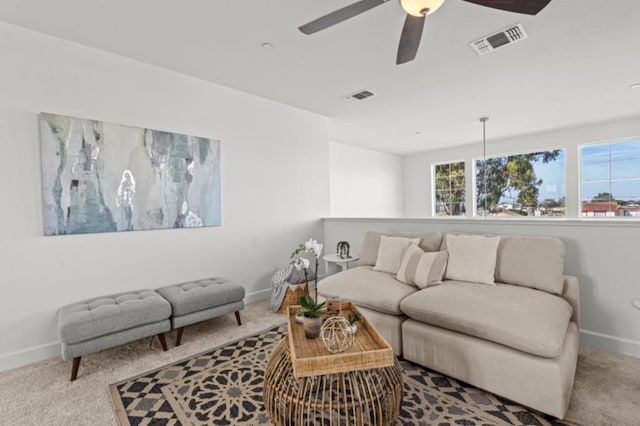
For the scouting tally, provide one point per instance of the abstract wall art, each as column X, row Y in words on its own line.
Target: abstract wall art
column 103, row 177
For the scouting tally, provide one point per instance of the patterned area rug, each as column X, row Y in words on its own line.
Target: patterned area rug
column 224, row 387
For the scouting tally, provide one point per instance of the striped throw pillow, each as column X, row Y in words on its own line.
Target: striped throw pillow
column 422, row 269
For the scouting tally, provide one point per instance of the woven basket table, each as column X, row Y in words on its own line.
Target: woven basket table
column 362, row 386
column 365, row 397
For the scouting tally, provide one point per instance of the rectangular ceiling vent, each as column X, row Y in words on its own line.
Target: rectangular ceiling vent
column 504, row 37
column 359, row 95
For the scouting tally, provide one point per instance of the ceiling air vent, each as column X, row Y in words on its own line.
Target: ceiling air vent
column 504, row 37
column 359, row 95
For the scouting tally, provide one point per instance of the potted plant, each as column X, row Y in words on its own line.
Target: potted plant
column 313, row 313
column 352, row 318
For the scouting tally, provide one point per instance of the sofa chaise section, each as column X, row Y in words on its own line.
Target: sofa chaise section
column 518, row 339
column 531, row 321
column 541, row 383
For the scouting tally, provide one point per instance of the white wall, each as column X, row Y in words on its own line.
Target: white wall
column 603, row 256
column 274, row 185
column 417, row 168
column 364, row 183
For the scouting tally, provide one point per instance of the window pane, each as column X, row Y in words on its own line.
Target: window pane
column 626, row 190
column 442, row 183
column 595, row 191
column 449, row 186
column 616, row 193
column 531, row 184
column 625, row 169
column 442, row 168
column 595, row 162
column 625, row 160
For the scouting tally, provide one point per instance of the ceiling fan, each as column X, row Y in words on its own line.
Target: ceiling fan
column 417, row 10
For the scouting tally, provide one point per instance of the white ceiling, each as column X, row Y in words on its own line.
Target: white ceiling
column 575, row 68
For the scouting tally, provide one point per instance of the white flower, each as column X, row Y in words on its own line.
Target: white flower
column 301, row 262
column 313, row 246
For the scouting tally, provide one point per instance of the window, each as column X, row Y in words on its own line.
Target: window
column 610, row 179
column 449, row 190
column 529, row 184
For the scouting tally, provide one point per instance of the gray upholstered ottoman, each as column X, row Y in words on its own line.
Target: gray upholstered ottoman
column 100, row 323
column 200, row 300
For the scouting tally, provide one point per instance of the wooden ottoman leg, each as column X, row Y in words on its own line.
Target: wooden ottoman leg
column 238, row 317
column 163, row 342
column 75, row 367
column 179, row 336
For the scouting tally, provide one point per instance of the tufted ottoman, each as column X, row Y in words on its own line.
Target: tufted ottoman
column 200, row 300
column 100, row 323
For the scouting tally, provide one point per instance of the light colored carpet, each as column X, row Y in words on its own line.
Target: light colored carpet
column 41, row 393
column 606, row 389
column 606, row 392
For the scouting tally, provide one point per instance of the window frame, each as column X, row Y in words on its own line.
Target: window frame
column 474, row 161
column 434, row 189
column 579, row 191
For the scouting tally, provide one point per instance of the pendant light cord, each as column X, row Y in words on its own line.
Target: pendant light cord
column 484, row 120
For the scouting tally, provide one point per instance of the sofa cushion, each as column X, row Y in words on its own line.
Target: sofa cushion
column 391, row 252
column 522, row 318
column 422, row 269
column 472, row 258
column 363, row 286
column 536, row 262
column 429, row 241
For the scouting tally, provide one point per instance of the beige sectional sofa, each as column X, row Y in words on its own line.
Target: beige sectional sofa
column 514, row 333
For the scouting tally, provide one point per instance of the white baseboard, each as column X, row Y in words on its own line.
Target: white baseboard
column 30, row 355
column 257, row 296
column 606, row 342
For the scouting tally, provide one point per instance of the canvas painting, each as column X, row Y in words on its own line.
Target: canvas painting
column 103, row 177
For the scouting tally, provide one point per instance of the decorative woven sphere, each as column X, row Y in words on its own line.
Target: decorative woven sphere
column 335, row 336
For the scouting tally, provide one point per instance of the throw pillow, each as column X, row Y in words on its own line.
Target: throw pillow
column 472, row 258
column 422, row 269
column 391, row 252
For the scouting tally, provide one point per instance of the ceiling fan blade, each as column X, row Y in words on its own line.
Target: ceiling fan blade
column 529, row 7
column 410, row 38
column 340, row 15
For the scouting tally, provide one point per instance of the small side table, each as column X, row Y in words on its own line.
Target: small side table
column 342, row 263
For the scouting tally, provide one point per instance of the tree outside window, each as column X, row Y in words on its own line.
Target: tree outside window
column 530, row 184
column 449, row 189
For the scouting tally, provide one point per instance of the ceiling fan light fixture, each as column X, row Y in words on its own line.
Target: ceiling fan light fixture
column 420, row 7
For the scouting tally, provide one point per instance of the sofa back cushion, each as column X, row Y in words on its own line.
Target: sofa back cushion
column 472, row 258
column 391, row 252
column 535, row 262
column 528, row 261
column 429, row 241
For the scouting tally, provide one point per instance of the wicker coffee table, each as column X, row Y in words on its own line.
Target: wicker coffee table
column 351, row 388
